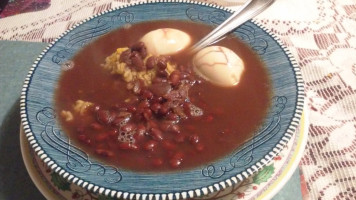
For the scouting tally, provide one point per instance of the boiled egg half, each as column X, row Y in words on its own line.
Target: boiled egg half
column 165, row 41
column 219, row 65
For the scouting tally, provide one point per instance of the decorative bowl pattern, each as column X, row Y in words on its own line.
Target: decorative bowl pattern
column 55, row 149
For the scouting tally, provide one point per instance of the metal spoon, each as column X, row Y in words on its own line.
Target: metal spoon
column 249, row 10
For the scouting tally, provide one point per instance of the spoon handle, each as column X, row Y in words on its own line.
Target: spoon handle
column 248, row 10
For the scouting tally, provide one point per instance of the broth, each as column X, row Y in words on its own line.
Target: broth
column 230, row 114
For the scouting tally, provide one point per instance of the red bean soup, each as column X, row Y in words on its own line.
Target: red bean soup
column 177, row 122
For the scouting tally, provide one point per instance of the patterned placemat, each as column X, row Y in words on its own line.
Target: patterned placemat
column 321, row 35
column 14, row 7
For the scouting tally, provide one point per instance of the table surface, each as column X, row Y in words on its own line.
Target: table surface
column 16, row 59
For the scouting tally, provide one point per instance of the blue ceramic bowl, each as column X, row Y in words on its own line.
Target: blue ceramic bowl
column 57, row 151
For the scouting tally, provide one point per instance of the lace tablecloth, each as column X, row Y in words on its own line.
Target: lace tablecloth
column 321, row 34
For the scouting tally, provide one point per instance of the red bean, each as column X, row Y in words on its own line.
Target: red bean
column 143, row 104
column 88, row 141
column 174, row 128
column 84, row 139
column 194, row 139
column 151, row 62
column 155, row 107
column 137, row 46
column 133, row 146
column 174, row 78
column 164, row 109
column 119, row 107
column 172, row 116
column 112, row 132
column 96, row 126
column 131, row 108
column 143, row 52
column 141, row 129
column 125, row 57
column 140, row 132
column 161, row 63
column 124, row 145
column 157, row 100
column 133, row 100
column 168, row 145
column 157, row 162
column 138, row 63
column 134, row 53
column 152, row 124
column 147, row 113
column 150, row 145
column 179, row 138
column 165, row 126
column 162, row 73
column 156, row 134
column 178, row 155
column 175, row 163
column 105, row 116
column 159, row 80
column 141, row 48
column 199, row 147
column 176, row 160
column 100, row 137
column 128, row 127
column 117, row 121
column 209, row 118
column 127, row 146
column 146, row 94
column 138, row 117
column 160, row 89
column 169, row 126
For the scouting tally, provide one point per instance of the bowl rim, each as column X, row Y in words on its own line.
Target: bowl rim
column 195, row 192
